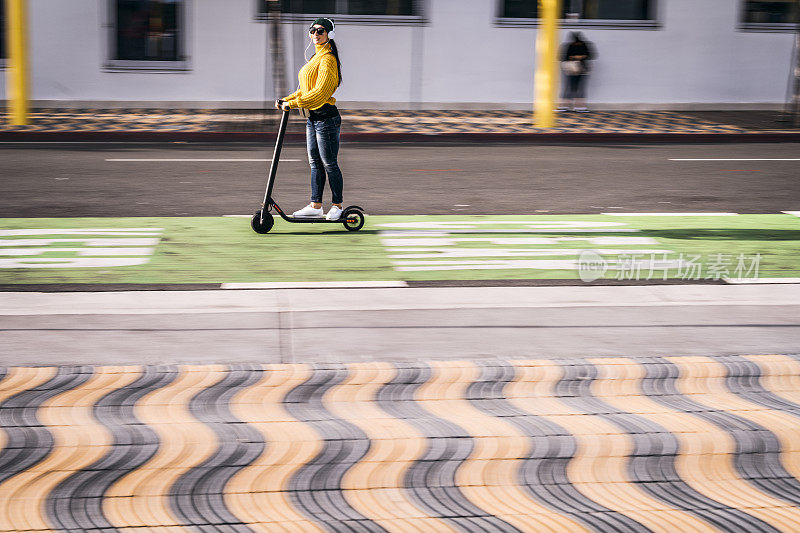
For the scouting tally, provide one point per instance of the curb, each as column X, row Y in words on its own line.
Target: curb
column 461, row 137
column 421, row 284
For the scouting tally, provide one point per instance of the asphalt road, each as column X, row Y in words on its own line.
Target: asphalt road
column 46, row 180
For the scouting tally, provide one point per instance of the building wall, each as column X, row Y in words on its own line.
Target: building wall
column 459, row 59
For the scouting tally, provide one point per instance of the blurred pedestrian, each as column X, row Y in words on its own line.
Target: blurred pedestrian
column 575, row 57
column 319, row 78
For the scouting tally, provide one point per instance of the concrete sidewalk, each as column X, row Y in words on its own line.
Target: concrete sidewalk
column 394, row 125
column 407, row 324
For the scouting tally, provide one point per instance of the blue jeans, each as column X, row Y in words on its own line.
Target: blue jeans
column 322, row 141
column 574, row 87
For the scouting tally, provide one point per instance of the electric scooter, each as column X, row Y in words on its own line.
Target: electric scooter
column 262, row 221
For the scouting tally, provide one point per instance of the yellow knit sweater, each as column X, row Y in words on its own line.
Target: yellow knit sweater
column 318, row 80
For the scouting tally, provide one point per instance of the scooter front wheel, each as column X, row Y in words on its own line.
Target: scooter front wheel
column 261, row 224
column 353, row 219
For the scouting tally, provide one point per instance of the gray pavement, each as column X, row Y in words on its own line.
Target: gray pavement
column 45, row 180
column 340, row 325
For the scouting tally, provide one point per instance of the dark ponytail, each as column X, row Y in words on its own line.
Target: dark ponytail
column 335, row 52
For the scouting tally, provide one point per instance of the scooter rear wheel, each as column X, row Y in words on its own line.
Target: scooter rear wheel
column 259, row 225
column 353, row 219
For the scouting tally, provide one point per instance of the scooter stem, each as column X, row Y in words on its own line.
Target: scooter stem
column 273, row 168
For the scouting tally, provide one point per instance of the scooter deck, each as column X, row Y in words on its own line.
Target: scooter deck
column 315, row 219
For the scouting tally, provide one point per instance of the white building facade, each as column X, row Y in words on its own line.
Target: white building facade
column 405, row 54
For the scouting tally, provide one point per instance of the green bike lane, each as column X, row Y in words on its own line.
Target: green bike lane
column 218, row 250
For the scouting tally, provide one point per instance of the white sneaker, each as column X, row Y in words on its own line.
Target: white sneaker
column 308, row 211
column 334, row 213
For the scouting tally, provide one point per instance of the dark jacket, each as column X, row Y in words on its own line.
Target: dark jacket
column 579, row 48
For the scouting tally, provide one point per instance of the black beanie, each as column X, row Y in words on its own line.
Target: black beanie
column 325, row 23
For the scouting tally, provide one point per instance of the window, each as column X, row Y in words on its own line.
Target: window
column 147, row 34
column 528, row 9
column 616, row 9
column 385, row 11
column 581, row 13
column 760, row 15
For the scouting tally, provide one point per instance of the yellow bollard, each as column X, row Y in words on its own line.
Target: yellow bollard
column 546, row 77
column 17, row 71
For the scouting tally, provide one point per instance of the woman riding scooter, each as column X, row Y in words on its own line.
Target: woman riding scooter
column 319, row 78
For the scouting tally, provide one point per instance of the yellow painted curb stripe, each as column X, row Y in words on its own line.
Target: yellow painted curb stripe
column 257, row 494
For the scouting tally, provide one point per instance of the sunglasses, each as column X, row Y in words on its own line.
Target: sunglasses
column 318, row 31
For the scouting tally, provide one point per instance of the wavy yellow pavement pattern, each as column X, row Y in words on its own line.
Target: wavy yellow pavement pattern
column 21, row 379
column 780, row 375
column 13, row 512
column 598, row 469
column 488, row 476
column 705, row 461
column 713, row 440
column 705, row 380
column 141, row 498
column 374, row 485
column 711, row 461
column 79, row 441
column 258, row 495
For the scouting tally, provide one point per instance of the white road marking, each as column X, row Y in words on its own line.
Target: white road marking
column 537, row 264
column 671, row 214
column 449, row 225
column 760, row 281
column 445, row 228
column 439, row 244
column 75, row 262
column 83, row 231
column 795, row 213
column 195, row 160
column 518, row 241
column 92, row 241
column 79, row 251
column 93, row 142
column 126, row 246
column 401, row 233
column 318, row 285
column 739, row 159
column 445, row 253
